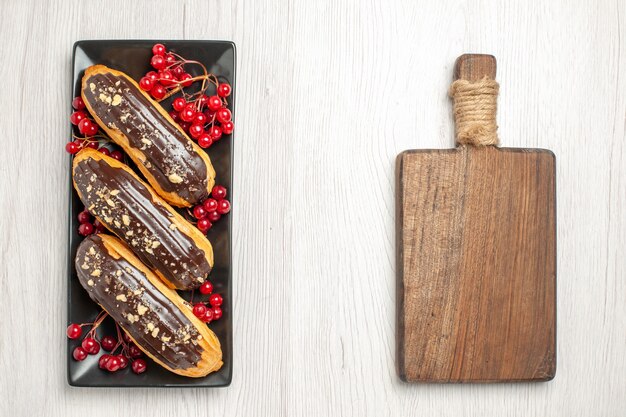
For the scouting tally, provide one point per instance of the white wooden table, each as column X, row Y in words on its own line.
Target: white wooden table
column 328, row 93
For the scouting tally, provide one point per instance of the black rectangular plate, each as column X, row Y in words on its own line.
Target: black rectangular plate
column 133, row 58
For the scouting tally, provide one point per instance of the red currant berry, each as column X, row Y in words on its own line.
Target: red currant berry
column 113, row 364
column 102, row 362
column 158, row 92
column 210, row 114
column 166, row 78
column 158, row 62
column 123, row 361
column 108, row 343
column 98, row 226
column 74, row 331
column 217, row 313
column 153, row 75
column 117, row 155
column 188, row 113
column 93, row 144
column 134, row 351
column 215, row 132
column 203, row 100
column 200, row 119
column 179, row 104
column 178, row 71
column 85, row 229
column 78, row 103
column 139, row 366
column 170, row 59
column 73, row 147
column 184, row 125
column 199, row 309
column 199, row 211
column 215, row 103
column 213, row 216
column 175, row 116
column 205, row 140
column 223, row 206
column 210, row 204
column 208, row 316
column 219, row 192
column 105, row 151
column 186, row 79
column 204, row 225
column 223, row 115
column 79, row 353
column 206, row 287
column 83, row 124
column 228, row 127
column 77, row 116
column 91, row 129
column 223, row 90
column 195, row 130
column 90, row 345
column 146, row 83
column 126, row 337
column 84, row 217
column 215, row 300
column 158, row 49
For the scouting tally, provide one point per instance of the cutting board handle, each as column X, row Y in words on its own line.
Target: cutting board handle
column 475, row 95
column 475, row 67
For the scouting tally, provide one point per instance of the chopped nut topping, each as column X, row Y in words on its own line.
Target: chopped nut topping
column 130, row 318
column 165, row 339
column 172, row 226
column 90, row 283
column 129, row 233
column 84, row 266
column 150, row 326
column 175, row 178
column 117, row 224
column 96, row 273
column 147, row 141
column 141, row 309
column 118, row 273
column 117, row 99
column 121, row 298
column 115, row 192
column 155, row 332
column 155, row 244
column 126, row 220
column 110, row 202
column 92, row 251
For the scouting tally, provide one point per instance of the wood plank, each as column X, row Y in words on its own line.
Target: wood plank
column 477, row 265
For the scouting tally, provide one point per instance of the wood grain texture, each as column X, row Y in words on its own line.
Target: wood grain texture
column 477, row 258
column 328, row 94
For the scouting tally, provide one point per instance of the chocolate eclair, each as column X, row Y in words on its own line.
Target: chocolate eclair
column 160, row 237
column 156, row 318
column 176, row 167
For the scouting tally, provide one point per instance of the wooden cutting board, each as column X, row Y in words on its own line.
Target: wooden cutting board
column 476, row 244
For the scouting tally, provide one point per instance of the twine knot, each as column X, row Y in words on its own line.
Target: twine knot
column 475, row 106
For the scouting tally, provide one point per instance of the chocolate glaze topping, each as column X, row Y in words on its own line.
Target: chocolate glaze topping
column 125, row 206
column 153, row 320
column 170, row 157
